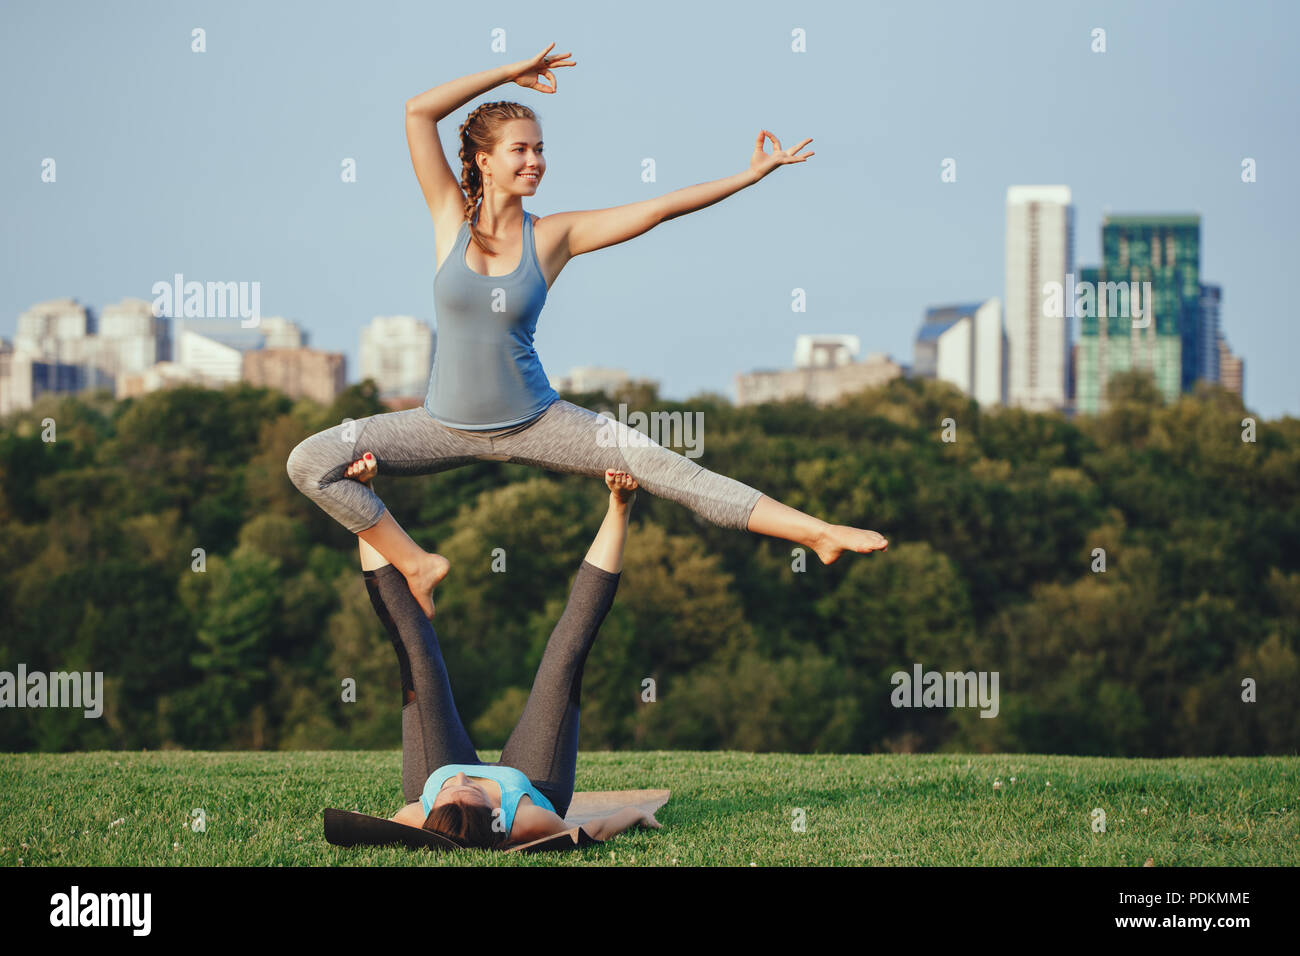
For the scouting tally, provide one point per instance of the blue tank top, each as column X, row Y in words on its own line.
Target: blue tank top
column 486, row 373
column 514, row 784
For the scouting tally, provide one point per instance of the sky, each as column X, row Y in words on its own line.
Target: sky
column 226, row 165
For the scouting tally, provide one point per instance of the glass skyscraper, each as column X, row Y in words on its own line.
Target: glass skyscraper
column 1122, row 330
column 1209, row 342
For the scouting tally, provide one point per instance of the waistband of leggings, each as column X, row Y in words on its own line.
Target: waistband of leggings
column 502, row 432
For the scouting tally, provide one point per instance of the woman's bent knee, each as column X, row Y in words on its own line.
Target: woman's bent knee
column 296, row 466
column 307, row 463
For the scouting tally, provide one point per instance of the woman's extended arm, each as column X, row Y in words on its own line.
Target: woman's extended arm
column 591, row 229
column 617, row 822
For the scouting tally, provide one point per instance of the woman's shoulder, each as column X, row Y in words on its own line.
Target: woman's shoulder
column 413, row 815
column 533, row 822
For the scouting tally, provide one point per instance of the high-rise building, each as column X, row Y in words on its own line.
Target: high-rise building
column 397, row 352
column 1142, row 308
column 281, row 333
column 1231, row 368
column 129, row 340
column 964, row 345
column 61, row 334
column 53, row 330
column 1039, row 250
column 1208, row 335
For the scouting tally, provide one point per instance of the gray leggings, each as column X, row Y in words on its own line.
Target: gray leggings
column 564, row 438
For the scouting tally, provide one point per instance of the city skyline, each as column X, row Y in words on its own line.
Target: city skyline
column 1037, row 358
column 697, row 299
column 967, row 345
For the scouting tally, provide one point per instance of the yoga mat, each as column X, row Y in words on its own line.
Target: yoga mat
column 346, row 828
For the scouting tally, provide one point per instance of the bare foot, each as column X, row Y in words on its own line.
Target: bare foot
column 363, row 469
column 621, row 485
column 431, row 570
column 432, row 567
column 838, row 538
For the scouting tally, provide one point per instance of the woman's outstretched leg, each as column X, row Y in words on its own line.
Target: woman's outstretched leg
column 433, row 734
column 770, row 517
column 544, row 744
column 569, row 438
column 564, row 438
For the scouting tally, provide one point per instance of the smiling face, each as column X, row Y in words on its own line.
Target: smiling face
column 460, row 789
column 519, row 152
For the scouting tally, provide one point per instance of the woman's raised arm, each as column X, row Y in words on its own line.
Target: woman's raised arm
column 439, row 184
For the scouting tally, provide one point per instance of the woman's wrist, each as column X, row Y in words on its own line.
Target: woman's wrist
column 508, row 72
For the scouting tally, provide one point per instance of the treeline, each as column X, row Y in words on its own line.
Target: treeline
column 999, row 524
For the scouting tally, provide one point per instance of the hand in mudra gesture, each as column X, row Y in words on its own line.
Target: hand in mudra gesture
column 764, row 162
column 529, row 70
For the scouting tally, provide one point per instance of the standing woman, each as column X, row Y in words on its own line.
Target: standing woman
column 488, row 397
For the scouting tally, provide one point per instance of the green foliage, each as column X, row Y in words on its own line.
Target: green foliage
column 1126, row 575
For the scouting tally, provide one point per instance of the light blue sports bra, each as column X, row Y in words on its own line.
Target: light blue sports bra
column 486, row 373
column 513, row 786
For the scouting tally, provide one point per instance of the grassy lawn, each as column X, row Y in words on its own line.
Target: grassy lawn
column 727, row 809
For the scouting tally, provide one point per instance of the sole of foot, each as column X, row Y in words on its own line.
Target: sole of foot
column 840, row 538
column 431, row 570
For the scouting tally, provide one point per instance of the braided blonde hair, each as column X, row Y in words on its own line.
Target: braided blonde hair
column 482, row 131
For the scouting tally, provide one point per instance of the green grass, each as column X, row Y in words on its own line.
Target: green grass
column 727, row 809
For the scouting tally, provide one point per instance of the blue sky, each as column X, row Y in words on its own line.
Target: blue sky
column 225, row 165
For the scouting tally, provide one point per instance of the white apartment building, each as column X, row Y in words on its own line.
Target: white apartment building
column 397, row 352
column 1039, row 249
column 964, row 345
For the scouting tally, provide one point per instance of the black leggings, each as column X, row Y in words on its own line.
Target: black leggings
column 544, row 743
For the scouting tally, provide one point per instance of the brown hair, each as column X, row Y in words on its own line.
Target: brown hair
column 471, row 825
column 482, row 131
